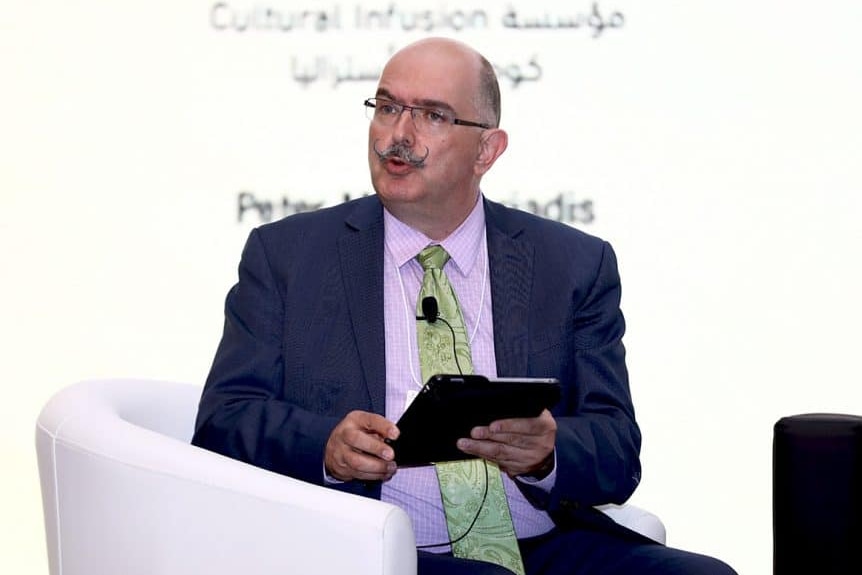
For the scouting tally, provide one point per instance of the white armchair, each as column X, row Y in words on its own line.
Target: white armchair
column 124, row 492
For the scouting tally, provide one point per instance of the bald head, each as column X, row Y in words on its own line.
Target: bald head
column 480, row 77
column 427, row 165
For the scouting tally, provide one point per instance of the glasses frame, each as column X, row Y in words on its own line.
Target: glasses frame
column 373, row 102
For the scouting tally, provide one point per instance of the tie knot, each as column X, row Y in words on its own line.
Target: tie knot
column 433, row 257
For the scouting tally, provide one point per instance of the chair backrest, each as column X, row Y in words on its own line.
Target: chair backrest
column 86, row 436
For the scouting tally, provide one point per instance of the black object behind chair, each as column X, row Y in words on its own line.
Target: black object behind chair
column 817, row 494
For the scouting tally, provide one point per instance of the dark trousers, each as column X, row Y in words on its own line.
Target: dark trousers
column 585, row 552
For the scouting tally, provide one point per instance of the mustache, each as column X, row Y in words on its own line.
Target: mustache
column 401, row 152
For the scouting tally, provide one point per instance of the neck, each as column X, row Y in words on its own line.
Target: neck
column 436, row 222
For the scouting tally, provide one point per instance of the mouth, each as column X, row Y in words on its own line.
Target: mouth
column 396, row 166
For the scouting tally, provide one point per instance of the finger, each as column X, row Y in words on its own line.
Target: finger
column 347, row 473
column 512, row 432
column 510, row 460
column 365, row 431
column 346, row 463
column 522, row 454
column 544, row 423
column 518, row 440
column 374, row 423
column 490, row 450
column 366, row 467
column 366, row 441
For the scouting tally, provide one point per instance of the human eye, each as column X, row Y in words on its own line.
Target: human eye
column 435, row 117
column 387, row 108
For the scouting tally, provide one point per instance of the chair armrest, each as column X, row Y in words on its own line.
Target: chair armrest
column 636, row 519
column 120, row 498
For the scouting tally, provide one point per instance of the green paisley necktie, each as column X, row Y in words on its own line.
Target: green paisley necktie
column 463, row 483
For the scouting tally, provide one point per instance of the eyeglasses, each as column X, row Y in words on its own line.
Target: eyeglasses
column 386, row 113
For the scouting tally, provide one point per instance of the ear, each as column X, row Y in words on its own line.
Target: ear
column 492, row 144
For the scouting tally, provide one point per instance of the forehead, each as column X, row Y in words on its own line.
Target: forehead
column 432, row 73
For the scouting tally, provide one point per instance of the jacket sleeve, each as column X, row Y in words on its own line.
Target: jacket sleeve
column 598, row 440
column 242, row 412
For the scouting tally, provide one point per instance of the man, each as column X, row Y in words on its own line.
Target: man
column 319, row 354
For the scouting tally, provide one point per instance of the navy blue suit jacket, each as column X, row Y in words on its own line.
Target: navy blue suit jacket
column 303, row 345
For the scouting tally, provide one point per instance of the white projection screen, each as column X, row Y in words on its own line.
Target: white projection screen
column 716, row 145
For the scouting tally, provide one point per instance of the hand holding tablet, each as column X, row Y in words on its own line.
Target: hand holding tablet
column 449, row 406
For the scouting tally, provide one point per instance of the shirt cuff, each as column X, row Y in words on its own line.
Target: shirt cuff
column 546, row 483
column 328, row 479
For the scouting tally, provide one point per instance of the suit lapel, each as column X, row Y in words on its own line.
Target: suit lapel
column 361, row 253
column 510, row 260
column 511, row 267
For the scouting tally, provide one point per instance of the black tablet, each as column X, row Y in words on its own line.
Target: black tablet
column 449, row 406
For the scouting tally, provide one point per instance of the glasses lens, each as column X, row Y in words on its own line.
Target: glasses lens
column 387, row 113
column 430, row 120
column 382, row 111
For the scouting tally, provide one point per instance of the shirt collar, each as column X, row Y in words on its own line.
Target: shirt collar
column 463, row 245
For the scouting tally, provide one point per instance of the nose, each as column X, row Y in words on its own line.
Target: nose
column 404, row 129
